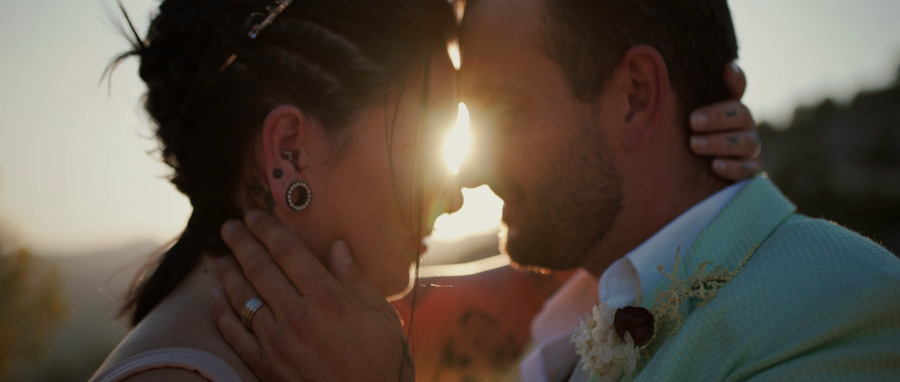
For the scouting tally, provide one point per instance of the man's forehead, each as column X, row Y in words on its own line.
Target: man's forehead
column 498, row 38
column 487, row 19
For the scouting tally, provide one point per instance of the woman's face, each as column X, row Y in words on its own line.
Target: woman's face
column 385, row 182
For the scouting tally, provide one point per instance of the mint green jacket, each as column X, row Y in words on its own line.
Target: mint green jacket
column 814, row 302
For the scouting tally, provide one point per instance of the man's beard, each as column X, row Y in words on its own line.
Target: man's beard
column 572, row 210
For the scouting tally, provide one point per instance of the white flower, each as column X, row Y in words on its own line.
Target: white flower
column 604, row 354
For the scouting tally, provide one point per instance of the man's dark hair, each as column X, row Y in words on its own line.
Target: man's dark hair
column 588, row 38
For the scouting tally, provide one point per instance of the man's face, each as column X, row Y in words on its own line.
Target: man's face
column 537, row 146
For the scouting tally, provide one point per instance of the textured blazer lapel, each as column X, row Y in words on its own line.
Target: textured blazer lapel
column 749, row 219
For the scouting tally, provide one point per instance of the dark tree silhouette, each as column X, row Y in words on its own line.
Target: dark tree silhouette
column 842, row 162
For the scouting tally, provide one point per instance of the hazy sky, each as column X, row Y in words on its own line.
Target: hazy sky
column 75, row 174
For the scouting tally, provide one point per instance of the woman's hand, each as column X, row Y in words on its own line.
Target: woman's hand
column 726, row 131
column 315, row 326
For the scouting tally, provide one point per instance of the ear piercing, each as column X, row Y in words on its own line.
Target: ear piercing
column 298, row 194
column 287, row 155
column 304, row 196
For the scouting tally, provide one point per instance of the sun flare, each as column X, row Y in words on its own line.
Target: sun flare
column 481, row 211
column 453, row 52
column 456, row 145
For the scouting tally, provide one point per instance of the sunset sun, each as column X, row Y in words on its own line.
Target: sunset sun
column 456, row 145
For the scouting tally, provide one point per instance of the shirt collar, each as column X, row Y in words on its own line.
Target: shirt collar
column 660, row 248
column 563, row 310
column 576, row 296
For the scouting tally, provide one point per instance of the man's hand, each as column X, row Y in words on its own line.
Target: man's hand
column 726, row 131
column 315, row 326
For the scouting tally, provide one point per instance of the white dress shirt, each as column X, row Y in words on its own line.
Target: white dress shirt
column 624, row 283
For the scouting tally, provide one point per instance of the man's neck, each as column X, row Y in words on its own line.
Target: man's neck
column 648, row 210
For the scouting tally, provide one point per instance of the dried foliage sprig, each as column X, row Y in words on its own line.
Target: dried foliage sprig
column 611, row 342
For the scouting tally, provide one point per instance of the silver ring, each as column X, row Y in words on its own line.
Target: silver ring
column 250, row 307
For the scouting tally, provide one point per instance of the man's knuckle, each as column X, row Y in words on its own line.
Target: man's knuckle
column 254, row 266
column 229, row 334
column 243, row 296
column 297, row 321
column 283, row 352
column 329, row 302
column 283, row 248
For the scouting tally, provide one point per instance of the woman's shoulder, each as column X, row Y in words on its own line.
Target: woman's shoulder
column 170, row 364
column 164, row 374
column 177, row 340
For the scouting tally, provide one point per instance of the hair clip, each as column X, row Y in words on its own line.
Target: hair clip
column 274, row 11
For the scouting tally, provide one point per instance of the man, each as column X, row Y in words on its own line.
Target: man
column 597, row 93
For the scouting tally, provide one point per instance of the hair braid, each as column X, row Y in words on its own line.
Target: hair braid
column 331, row 58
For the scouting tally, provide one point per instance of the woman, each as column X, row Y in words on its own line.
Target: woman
column 326, row 113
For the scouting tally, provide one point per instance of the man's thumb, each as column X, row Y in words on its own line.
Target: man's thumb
column 341, row 263
column 347, row 271
column 735, row 80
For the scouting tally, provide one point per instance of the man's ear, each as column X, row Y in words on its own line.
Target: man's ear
column 646, row 82
column 288, row 136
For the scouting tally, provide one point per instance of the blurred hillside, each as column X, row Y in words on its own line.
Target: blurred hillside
column 92, row 286
column 842, row 162
column 31, row 307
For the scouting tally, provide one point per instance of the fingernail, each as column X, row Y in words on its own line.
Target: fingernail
column 253, row 216
column 719, row 165
column 229, row 228
column 216, row 297
column 734, row 65
column 342, row 255
column 343, row 249
column 699, row 142
column 220, row 264
column 698, row 120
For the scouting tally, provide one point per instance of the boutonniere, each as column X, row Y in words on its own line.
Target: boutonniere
column 612, row 341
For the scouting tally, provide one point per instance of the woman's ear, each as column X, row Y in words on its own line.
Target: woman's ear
column 646, row 82
column 288, row 136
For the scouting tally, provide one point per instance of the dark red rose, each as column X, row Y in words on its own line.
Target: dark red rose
column 635, row 320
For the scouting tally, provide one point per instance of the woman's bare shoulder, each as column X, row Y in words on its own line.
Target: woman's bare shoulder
column 166, row 374
column 181, row 327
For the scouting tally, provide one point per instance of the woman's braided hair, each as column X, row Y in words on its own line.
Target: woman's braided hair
column 210, row 87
